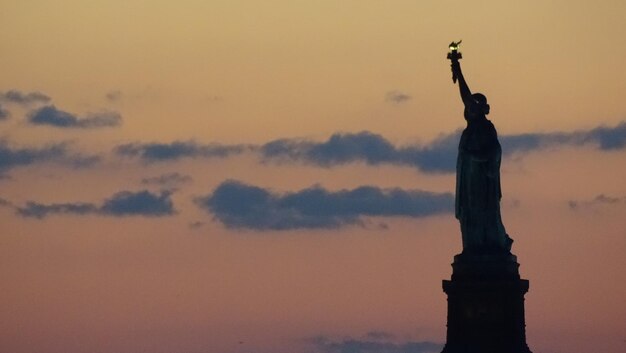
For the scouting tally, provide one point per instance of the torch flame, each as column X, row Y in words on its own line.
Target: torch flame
column 454, row 46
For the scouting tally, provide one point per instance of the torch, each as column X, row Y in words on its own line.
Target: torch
column 454, row 55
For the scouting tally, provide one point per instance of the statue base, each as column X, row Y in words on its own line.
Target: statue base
column 486, row 305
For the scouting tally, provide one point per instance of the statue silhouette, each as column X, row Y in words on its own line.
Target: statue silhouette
column 478, row 192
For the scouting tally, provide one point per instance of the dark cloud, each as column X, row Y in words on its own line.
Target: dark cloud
column 437, row 156
column 170, row 179
column 366, row 147
column 4, row 114
column 599, row 200
column 397, row 97
column 58, row 153
column 23, row 99
column 158, row 152
column 325, row 345
column 339, row 149
column 607, row 138
column 39, row 210
column 238, row 205
column 124, row 203
column 142, row 203
column 51, row 116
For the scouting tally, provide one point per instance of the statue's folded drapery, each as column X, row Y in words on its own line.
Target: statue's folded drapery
column 478, row 190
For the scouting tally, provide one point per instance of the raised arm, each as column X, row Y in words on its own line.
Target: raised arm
column 466, row 94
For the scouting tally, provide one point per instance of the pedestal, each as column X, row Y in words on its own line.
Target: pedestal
column 486, row 305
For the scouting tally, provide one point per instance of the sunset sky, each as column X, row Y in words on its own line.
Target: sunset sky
column 239, row 176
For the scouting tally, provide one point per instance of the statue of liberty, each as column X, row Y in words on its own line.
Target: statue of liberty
column 478, row 192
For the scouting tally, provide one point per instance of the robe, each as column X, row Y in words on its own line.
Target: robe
column 478, row 192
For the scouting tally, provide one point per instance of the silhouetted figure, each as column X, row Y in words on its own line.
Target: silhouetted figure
column 485, row 293
column 478, row 190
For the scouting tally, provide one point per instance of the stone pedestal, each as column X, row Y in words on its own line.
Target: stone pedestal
column 486, row 305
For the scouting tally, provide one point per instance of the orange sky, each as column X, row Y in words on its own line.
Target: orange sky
column 244, row 72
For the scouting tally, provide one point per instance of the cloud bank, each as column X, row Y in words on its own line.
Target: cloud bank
column 23, row 99
column 439, row 156
column 11, row 157
column 124, row 203
column 160, row 152
column 238, row 205
column 51, row 116
column 367, row 147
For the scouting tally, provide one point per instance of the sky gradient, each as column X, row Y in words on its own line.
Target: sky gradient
column 278, row 176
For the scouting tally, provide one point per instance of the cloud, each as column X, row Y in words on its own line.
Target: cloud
column 51, row 116
column 437, row 156
column 5, row 203
column 124, row 203
column 58, row 153
column 38, row 210
column 397, row 97
column 325, row 345
column 4, row 114
column 142, row 203
column 23, row 99
column 338, row 149
column 599, row 200
column 238, row 205
column 605, row 138
column 159, row 152
column 170, row 179
column 373, row 149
